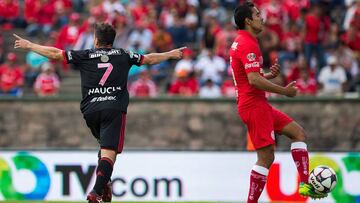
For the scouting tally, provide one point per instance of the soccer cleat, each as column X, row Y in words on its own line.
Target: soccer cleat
column 307, row 190
column 107, row 194
column 94, row 198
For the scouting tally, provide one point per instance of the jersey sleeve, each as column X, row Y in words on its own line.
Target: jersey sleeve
column 72, row 56
column 249, row 58
column 134, row 58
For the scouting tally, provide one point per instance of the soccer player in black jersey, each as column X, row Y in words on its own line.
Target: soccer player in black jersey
column 105, row 98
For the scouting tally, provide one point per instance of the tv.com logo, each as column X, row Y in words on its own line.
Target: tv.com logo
column 24, row 161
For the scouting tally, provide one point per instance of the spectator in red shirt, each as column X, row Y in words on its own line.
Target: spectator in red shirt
column 299, row 66
column 47, row 83
column 42, row 17
column 143, row 87
column 228, row 88
column 184, row 85
column 306, row 84
column 316, row 26
column 69, row 33
column 9, row 14
column 11, row 77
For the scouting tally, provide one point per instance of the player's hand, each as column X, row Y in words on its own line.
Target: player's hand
column 275, row 69
column 176, row 53
column 21, row 43
column 291, row 89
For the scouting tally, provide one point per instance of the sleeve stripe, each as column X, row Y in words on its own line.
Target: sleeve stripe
column 64, row 55
column 141, row 60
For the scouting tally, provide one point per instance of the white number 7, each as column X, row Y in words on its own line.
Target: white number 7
column 109, row 68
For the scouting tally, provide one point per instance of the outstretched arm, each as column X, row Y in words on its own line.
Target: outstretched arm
column 155, row 58
column 47, row 51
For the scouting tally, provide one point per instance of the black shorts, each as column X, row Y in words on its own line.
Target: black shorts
column 108, row 127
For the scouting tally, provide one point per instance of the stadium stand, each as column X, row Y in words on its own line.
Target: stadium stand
column 305, row 33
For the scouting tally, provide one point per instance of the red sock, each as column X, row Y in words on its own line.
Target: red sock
column 257, row 182
column 301, row 158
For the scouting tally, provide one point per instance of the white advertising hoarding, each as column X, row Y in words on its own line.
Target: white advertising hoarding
column 166, row 176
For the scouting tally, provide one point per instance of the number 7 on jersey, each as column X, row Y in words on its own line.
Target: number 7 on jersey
column 109, row 68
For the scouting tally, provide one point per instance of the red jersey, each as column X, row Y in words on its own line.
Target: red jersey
column 47, row 84
column 10, row 78
column 9, row 10
column 246, row 57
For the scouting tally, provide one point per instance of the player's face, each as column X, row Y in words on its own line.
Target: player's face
column 257, row 22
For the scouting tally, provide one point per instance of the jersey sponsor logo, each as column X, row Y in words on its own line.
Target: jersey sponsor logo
column 251, row 57
column 100, row 53
column 101, row 99
column 234, row 45
column 103, row 90
column 252, row 65
column 69, row 55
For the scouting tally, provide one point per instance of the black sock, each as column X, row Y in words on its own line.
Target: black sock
column 103, row 174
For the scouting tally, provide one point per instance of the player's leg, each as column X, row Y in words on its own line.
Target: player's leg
column 111, row 141
column 259, row 122
column 259, row 172
column 283, row 124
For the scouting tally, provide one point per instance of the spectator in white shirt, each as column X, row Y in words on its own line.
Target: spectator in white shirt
column 332, row 78
column 211, row 67
column 210, row 90
column 186, row 63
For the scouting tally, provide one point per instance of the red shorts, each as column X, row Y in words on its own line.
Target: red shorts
column 263, row 121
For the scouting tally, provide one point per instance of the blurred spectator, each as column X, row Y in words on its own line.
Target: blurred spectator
column 122, row 34
column 186, row 63
column 228, row 88
column 291, row 45
column 47, row 83
column 140, row 37
column 224, row 39
column 347, row 61
column 69, row 33
column 332, row 79
column 9, row 14
column 162, row 40
column 2, row 50
column 306, row 85
column 352, row 7
column 184, row 85
column 209, row 90
column 191, row 22
column 178, row 32
column 210, row 66
column 33, row 62
column 144, row 86
column 316, row 26
column 211, row 29
column 216, row 11
column 41, row 17
column 63, row 8
column 113, row 8
column 86, row 38
column 273, row 15
column 300, row 66
column 11, row 77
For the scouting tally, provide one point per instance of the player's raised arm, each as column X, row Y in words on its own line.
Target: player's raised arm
column 47, row 51
column 154, row 58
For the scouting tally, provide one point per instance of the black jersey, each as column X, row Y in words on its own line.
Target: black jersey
column 104, row 75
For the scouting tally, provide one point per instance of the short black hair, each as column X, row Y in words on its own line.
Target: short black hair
column 242, row 12
column 105, row 34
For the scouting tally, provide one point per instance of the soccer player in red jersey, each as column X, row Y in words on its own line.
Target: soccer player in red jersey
column 263, row 120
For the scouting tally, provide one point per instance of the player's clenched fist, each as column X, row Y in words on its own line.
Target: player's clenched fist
column 21, row 43
column 291, row 89
column 176, row 53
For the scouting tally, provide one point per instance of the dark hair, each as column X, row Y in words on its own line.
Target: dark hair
column 105, row 34
column 242, row 12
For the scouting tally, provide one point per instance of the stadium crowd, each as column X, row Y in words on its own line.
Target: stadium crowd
column 316, row 42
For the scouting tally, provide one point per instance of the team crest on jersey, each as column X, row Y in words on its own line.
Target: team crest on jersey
column 234, row 46
column 104, row 58
column 251, row 57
